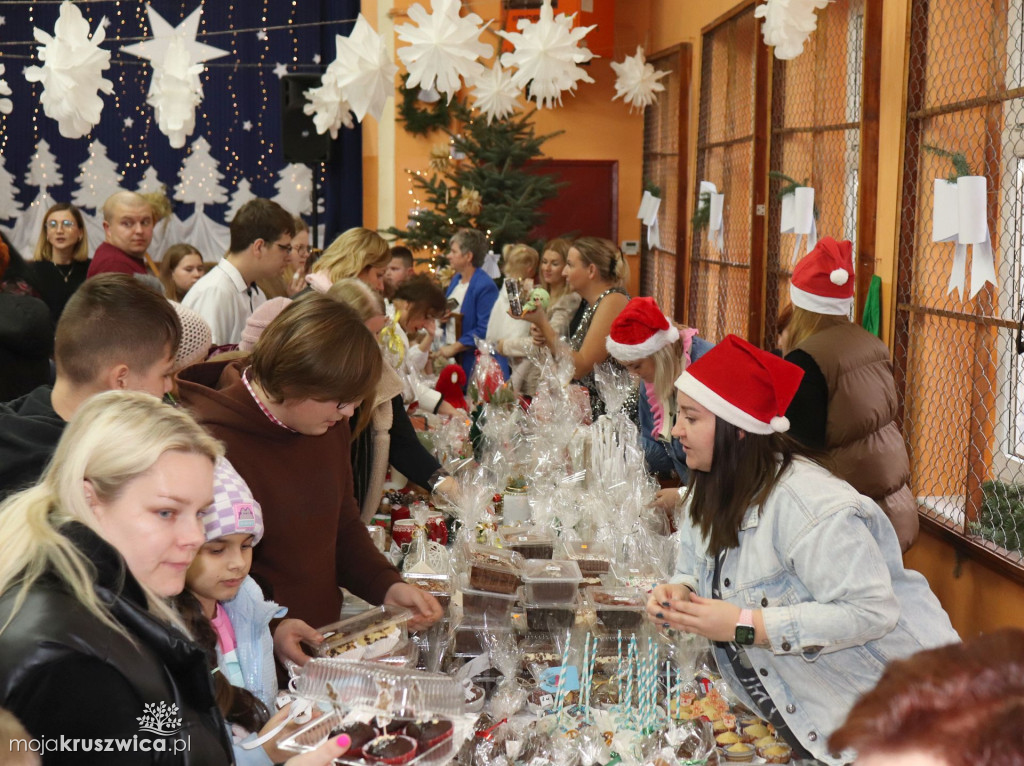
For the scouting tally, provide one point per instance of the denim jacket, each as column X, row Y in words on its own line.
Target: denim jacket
column 823, row 564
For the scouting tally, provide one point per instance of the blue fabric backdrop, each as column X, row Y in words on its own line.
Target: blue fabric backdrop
column 238, row 88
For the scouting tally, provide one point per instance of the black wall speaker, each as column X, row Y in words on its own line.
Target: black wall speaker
column 300, row 141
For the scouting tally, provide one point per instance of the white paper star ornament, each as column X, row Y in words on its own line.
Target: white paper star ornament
column 71, row 73
column 330, row 111
column 636, row 81
column 494, row 93
column 363, row 70
column 443, row 47
column 177, row 61
column 547, row 55
column 788, row 24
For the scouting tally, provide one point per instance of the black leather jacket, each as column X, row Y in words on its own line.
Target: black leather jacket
column 76, row 682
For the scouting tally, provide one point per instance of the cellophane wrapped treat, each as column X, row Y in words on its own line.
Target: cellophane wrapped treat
column 614, row 385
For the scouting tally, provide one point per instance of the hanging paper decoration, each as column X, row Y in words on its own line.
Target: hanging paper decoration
column 176, row 57
column 716, row 209
column 5, row 90
column 439, row 157
column 788, row 23
column 443, row 47
column 329, row 109
column 494, row 93
column 960, row 215
column 547, row 56
column 797, row 217
column 637, row 81
column 648, row 213
column 71, row 73
column 358, row 80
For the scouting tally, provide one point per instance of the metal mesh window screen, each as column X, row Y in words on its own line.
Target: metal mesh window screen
column 661, row 168
column 815, row 135
column 957, row 366
column 719, row 290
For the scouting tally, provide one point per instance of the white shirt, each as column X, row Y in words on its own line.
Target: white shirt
column 225, row 301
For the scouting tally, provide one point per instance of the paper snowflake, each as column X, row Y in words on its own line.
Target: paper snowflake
column 494, row 93
column 71, row 73
column 637, row 81
column 363, row 71
column 443, row 47
column 788, row 23
column 5, row 90
column 176, row 57
column 547, row 56
column 329, row 108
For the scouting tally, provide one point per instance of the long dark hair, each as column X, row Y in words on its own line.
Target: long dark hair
column 744, row 471
column 236, row 704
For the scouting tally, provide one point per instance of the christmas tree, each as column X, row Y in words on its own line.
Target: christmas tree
column 200, row 178
column 98, row 178
column 9, row 205
column 241, row 195
column 488, row 188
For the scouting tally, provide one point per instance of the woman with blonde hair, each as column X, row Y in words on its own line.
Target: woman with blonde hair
column 391, row 438
column 89, row 556
column 846, row 404
column 562, row 305
column 61, row 259
column 358, row 253
column 598, row 272
column 656, row 350
column 180, row 268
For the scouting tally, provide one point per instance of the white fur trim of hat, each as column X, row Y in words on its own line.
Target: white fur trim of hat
column 625, row 352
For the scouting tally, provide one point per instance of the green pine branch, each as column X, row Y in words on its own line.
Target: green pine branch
column 957, row 159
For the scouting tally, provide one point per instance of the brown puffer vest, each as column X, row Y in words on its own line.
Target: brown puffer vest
column 861, row 434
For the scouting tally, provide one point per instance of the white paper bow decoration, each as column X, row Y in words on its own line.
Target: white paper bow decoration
column 176, row 58
column 788, row 24
column 648, row 213
column 636, row 81
column 494, row 93
column 5, row 90
column 798, row 218
column 71, row 73
column 716, row 210
column 443, row 47
column 547, row 55
column 960, row 215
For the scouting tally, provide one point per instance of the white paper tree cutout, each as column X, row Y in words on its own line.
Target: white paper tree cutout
column 547, row 56
column 9, row 205
column 150, row 182
column 98, row 178
column 443, row 47
column 294, row 187
column 176, row 57
column 72, row 72
column 6, row 106
column 241, row 195
column 43, row 171
column 200, row 178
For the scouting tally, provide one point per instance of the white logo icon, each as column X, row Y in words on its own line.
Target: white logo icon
column 160, row 719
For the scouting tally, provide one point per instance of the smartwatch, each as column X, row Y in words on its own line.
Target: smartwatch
column 745, row 628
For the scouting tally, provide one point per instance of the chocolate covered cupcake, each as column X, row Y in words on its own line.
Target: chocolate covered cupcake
column 358, row 733
column 428, row 733
column 391, row 749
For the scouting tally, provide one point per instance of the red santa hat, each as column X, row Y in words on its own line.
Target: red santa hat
column 743, row 385
column 640, row 330
column 823, row 279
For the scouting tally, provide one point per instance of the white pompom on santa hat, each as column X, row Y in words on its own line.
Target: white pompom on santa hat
column 743, row 385
column 639, row 331
column 823, row 279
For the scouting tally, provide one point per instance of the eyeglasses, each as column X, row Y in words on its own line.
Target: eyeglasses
column 286, row 248
column 65, row 224
column 300, row 249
